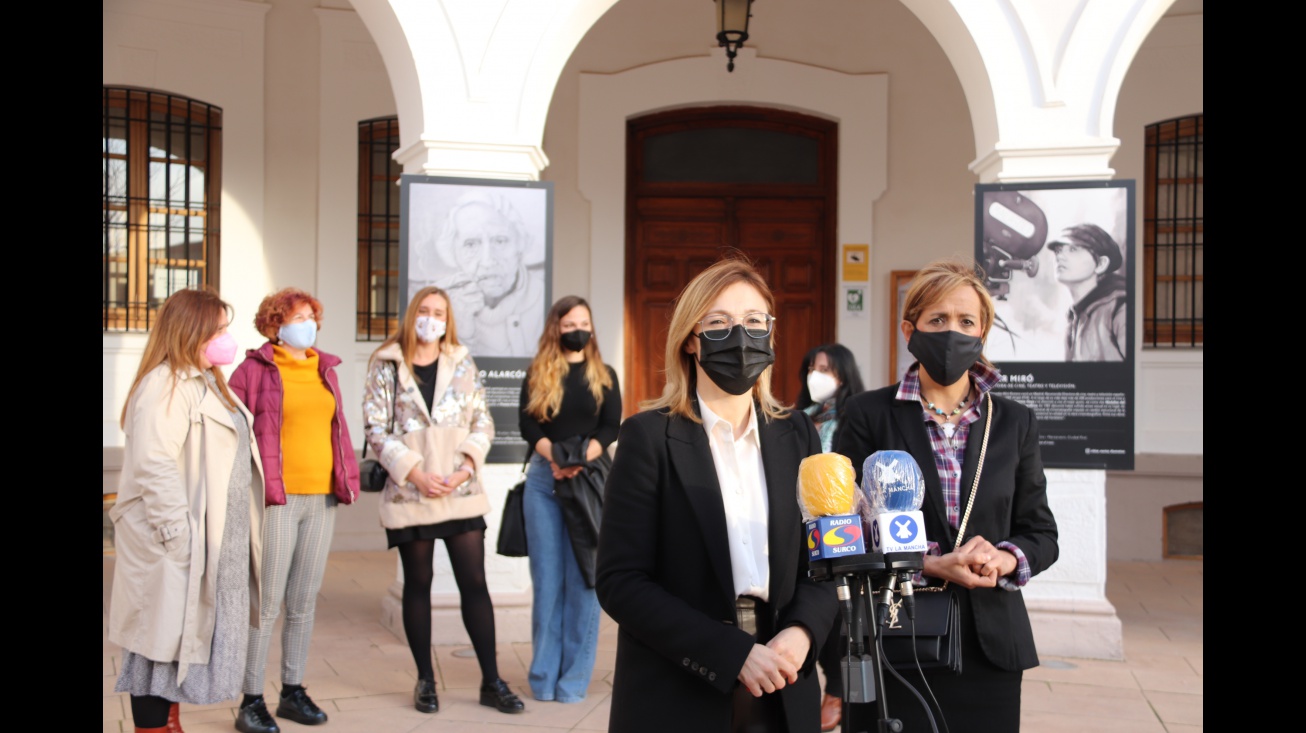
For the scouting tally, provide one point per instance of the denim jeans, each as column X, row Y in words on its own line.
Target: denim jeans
column 564, row 612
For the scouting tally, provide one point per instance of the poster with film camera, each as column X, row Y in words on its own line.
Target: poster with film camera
column 1059, row 263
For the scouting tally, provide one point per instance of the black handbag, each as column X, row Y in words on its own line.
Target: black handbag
column 512, row 530
column 937, row 633
column 371, row 474
column 937, row 628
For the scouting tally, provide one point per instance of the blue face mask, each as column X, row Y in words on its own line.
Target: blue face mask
column 300, row 335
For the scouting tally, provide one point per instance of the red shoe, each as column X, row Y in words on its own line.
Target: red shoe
column 831, row 712
column 174, row 719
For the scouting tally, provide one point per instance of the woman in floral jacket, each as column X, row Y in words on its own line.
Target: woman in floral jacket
column 426, row 419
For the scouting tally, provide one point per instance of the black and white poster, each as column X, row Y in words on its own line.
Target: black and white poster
column 1059, row 262
column 489, row 245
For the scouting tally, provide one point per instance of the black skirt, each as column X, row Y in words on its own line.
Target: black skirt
column 439, row 531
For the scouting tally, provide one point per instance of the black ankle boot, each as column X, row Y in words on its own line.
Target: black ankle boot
column 299, row 707
column 424, row 697
column 497, row 695
column 255, row 718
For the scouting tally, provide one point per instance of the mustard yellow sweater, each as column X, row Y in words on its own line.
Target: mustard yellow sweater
column 307, row 407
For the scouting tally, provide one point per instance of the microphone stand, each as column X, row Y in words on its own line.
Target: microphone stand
column 855, row 577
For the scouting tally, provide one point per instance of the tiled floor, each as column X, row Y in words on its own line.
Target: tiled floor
column 362, row 675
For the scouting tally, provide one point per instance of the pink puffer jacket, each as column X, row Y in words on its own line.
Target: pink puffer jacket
column 257, row 383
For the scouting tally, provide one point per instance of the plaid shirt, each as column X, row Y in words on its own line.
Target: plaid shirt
column 949, row 453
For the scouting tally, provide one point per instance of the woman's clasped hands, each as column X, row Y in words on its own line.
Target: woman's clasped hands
column 976, row 564
column 433, row 485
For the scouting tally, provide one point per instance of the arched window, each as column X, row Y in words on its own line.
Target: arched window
column 378, row 229
column 162, row 158
column 1172, row 234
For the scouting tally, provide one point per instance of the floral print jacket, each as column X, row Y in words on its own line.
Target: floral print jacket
column 456, row 430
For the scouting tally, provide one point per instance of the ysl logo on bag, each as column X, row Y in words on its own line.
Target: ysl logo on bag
column 894, row 607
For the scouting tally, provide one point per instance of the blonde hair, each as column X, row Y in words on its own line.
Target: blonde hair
column 937, row 280
column 548, row 369
column 187, row 320
column 406, row 336
column 690, row 306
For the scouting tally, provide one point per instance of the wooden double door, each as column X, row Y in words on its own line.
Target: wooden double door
column 676, row 229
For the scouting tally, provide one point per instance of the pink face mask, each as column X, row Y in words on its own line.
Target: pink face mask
column 221, row 350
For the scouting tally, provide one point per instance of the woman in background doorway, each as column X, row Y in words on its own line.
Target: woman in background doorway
column 830, row 377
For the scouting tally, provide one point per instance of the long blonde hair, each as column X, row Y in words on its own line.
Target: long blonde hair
column 937, row 280
column 406, row 336
column 548, row 369
column 186, row 321
column 691, row 305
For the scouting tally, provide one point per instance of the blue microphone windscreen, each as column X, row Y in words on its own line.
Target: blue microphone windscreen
column 893, row 482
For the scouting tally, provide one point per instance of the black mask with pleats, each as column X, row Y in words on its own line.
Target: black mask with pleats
column 945, row 355
column 735, row 362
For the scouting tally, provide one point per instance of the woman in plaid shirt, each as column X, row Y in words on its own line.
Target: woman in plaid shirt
column 936, row 413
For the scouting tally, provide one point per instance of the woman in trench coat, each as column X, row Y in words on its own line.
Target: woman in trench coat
column 187, row 522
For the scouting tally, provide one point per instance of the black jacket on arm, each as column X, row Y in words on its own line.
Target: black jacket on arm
column 664, row 576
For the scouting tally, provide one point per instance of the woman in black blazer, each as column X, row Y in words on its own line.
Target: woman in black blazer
column 702, row 561
column 937, row 414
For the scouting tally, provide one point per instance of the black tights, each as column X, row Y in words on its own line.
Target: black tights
column 150, row 711
column 467, row 555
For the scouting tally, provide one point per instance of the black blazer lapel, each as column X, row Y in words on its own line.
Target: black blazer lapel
column 911, row 425
column 691, row 458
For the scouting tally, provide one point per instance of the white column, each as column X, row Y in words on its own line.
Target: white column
column 1067, row 603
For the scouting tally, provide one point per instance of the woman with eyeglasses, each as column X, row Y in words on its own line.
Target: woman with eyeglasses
column 830, row 378
column 569, row 394
column 702, row 558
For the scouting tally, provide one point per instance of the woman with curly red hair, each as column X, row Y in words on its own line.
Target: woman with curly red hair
column 291, row 388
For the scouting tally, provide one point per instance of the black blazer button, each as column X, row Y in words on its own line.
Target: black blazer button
column 685, row 663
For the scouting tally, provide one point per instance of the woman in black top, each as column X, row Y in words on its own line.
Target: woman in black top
column 568, row 392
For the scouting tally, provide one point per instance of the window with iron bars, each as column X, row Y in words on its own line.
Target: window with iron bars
column 162, row 186
column 1172, row 234
column 378, row 229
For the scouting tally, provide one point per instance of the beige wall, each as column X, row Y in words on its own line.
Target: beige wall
column 212, row 52
column 931, row 141
column 294, row 77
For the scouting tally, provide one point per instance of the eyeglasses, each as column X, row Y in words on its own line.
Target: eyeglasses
column 717, row 326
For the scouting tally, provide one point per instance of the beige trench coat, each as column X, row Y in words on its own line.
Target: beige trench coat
column 169, row 518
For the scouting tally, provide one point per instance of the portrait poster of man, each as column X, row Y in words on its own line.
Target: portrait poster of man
column 1059, row 262
column 489, row 245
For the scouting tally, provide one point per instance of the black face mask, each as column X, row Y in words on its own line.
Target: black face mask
column 735, row 362
column 575, row 340
column 945, row 355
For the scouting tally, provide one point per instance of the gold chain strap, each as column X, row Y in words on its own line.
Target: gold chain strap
column 970, row 503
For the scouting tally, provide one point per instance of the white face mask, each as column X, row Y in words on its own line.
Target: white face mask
column 429, row 329
column 821, row 386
